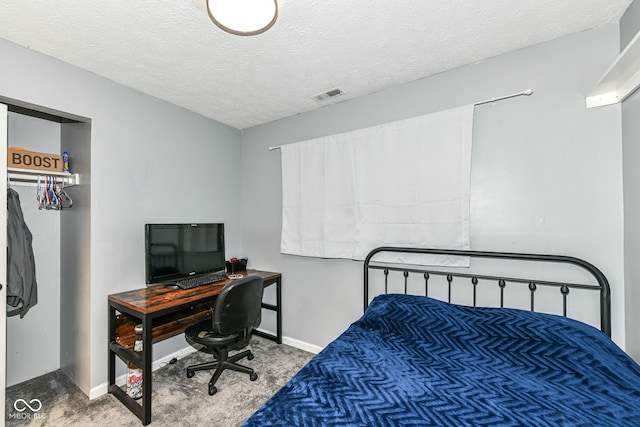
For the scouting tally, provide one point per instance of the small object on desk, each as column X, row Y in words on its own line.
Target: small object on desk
column 235, row 265
column 235, row 276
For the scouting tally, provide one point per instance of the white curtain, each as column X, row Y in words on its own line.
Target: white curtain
column 318, row 206
column 404, row 183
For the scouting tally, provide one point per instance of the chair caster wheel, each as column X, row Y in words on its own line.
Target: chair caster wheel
column 253, row 376
column 212, row 390
column 190, row 373
column 250, row 356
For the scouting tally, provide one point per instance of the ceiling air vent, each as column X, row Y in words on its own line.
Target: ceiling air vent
column 332, row 93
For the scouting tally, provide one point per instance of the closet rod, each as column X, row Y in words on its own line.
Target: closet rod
column 29, row 177
column 500, row 98
column 486, row 101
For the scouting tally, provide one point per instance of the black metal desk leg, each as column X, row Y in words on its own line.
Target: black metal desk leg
column 279, row 310
column 112, row 337
column 277, row 307
column 147, row 350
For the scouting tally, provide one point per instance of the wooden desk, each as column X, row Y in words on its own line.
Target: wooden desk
column 163, row 313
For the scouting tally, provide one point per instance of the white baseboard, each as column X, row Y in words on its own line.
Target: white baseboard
column 120, row 381
column 301, row 345
column 104, row 387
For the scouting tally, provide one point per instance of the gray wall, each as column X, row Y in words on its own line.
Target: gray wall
column 631, row 158
column 629, row 26
column 75, row 257
column 150, row 161
column 546, row 176
column 546, row 173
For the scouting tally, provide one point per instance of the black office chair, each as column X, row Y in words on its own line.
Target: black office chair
column 236, row 312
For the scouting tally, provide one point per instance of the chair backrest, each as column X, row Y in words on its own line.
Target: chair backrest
column 239, row 306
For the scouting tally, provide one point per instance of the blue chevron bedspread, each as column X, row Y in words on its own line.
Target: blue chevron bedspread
column 413, row 360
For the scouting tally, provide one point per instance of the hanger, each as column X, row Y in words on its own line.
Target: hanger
column 66, row 196
column 52, row 196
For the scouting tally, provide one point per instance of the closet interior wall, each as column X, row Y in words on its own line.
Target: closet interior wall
column 49, row 337
column 33, row 342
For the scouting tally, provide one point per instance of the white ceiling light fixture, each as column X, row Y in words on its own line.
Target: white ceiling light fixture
column 243, row 17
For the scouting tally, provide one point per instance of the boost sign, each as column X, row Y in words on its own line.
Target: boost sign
column 24, row 159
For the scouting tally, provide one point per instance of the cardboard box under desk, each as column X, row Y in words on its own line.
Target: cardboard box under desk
column 25, row 159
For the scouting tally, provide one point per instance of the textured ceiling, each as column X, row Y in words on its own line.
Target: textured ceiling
column 170, row 49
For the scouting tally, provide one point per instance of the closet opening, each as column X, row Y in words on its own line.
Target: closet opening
column 54, row 333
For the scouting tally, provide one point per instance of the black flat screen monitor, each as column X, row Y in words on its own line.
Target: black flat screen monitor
column 177, row 251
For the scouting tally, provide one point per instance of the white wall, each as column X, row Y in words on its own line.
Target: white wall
column 40, row 328
column 150, row 161
column 546, row 173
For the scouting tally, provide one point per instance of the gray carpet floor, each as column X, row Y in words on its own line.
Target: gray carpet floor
column 177, row 400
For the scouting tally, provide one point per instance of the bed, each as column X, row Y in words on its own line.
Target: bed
column 412, row 359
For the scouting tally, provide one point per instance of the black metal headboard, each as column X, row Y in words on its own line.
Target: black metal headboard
column 602, row 284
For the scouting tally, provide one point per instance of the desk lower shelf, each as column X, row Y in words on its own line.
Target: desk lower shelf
column 163, row 327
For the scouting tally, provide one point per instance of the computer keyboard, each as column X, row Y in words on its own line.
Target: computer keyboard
column 193, row 282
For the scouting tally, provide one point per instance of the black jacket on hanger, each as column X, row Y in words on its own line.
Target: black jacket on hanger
column 22, row 289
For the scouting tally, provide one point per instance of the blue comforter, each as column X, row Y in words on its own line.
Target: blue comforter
column 413, row 360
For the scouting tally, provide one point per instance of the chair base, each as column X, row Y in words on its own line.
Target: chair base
column 222, row 362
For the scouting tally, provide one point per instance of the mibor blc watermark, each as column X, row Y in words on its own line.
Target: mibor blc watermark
column 27, row 410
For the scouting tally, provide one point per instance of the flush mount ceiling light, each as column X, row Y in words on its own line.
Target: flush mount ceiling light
column 243, row 17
